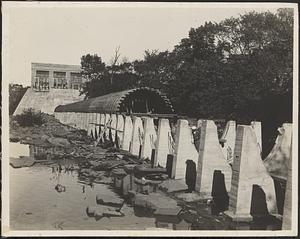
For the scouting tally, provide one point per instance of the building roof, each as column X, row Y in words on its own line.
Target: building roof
column 50, row 66
column 116, row 102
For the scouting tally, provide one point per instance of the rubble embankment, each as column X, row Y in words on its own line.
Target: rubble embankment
column 134, row 179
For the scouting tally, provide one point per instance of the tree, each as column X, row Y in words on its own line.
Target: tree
column 102, row 79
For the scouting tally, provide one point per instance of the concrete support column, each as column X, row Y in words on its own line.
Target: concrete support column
column 127, row 136
column 107, row 123
column 120, row 130
column 85, row 121
column 97, row 126
column 164, row 143
column 150, row 137
column 210, row 158
column 79, row 120
column 184, row 149
column 94, row 125
column 113, row 126
column 228, row 139
column 90, row 123
column 278, row 159
column 102, row 122
column 256, row 125
column 137, row 135
column 248, row 170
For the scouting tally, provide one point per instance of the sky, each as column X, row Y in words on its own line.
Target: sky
column 62, row 33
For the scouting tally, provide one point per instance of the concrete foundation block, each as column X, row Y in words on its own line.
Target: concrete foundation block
column 248, row 170
column 120, row 130
column 127, row 136
column 150, row 137
column 228, row 140
column 184, row 149
column 164, row 143
column 102, row 122
column 107, row 123
column 256, row 125
column 113, row 126
column 278, row 159
column 137, row 135
column 210, row 158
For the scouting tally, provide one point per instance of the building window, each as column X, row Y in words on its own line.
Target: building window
column 59, row 80
column 41, row 80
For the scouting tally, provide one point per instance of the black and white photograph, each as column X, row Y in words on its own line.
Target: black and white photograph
column 140, row 119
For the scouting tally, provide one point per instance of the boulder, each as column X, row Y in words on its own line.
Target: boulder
column 21, row 162
column 60, row 142
column 109, row 200
column 173, row 185
column 154, row 201
column 100, row 211
column 168, row 211
column 118, row 173
column 191, row 197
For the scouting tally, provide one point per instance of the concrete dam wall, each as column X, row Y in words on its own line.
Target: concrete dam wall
column 47, row 101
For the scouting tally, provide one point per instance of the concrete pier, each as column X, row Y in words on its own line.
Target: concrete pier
column 278, row 159
column 137, row 135
column 120, row 130
column 107, row 123
column 128, row 127
column 150, row 137
column 184, row 149
column 228, row 140
column 210, row 158
column 256, row 125
column 164, row 143
column 113, row 126
column 248, row 170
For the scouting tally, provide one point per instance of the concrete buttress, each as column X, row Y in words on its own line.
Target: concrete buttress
column 248, row 170
column 184, row 149
column 210, row 158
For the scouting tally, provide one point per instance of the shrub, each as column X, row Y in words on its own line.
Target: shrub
column 29, row 117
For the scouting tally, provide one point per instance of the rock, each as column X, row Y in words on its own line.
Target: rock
column 189, row 216
column 109, row 200
column 173, row 185
column 191, row 197
column 61, row 142
column 100, row 211
column 21, row 162
column 119, row 173
column 168, row 211
column 153, row 201
column 103, row 180
column 90, row 211
column 87, row 172
column 142, row 171
column 129, row 168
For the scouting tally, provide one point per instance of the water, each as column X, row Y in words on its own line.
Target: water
column 35, row 204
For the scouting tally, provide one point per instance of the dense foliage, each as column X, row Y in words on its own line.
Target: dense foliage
column 240, row 68
column 29, row 118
